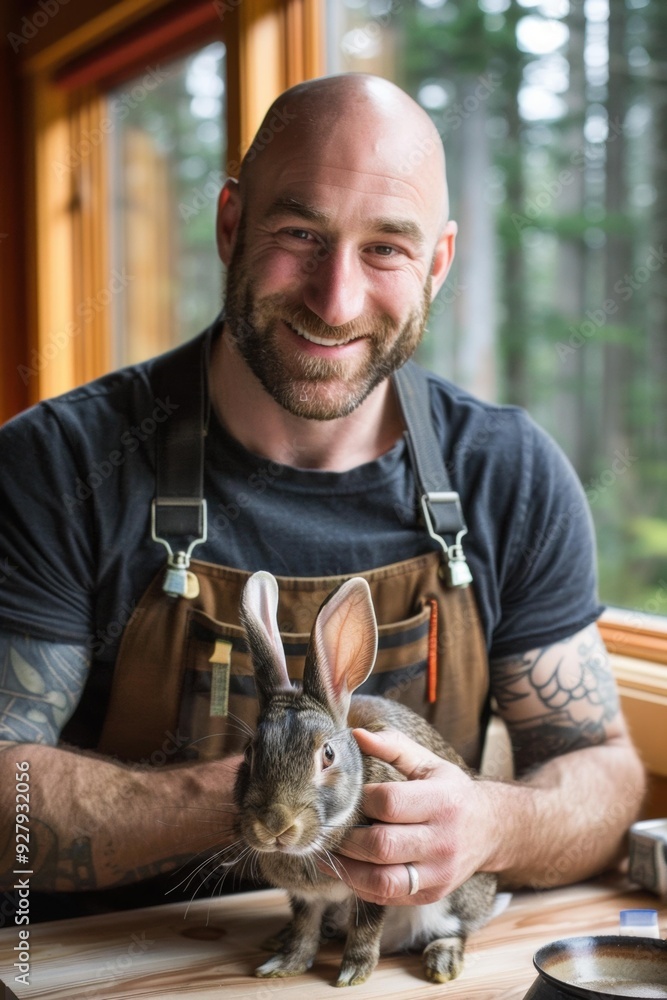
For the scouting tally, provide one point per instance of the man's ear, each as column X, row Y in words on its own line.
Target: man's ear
column 443, row 257
column 229, row 216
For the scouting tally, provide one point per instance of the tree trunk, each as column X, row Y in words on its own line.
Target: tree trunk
column 616, row 310
column 657, row 304
column 515, row 335
column 573, row 402
column 474, row 295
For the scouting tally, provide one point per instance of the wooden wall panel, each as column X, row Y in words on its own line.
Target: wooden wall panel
column 14, row 343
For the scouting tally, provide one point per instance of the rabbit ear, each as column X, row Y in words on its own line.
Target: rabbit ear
column 259, row 608
column 342, row 647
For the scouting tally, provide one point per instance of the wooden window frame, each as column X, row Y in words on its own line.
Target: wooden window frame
column 68, row 323
column 628, row 634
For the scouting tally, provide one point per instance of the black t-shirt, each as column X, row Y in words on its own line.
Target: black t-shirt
column 77, row 480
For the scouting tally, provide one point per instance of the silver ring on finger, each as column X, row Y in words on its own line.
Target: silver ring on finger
column 413, row 875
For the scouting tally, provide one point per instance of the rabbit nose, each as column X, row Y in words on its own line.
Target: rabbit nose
column 278, row 822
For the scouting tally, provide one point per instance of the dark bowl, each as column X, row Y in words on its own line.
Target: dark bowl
column 600, row 966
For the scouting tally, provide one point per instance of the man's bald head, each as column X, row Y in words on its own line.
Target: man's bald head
column 355, row 118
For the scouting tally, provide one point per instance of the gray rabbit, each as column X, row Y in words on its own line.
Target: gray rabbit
column 299, row 788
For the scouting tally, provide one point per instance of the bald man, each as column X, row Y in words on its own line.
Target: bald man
column 336, row 238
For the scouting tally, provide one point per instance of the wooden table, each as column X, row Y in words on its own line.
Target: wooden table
column 209, row 949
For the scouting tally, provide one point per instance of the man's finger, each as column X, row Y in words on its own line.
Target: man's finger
column 401, row 802
column 379, row 883
column 408, row 757
column 387, row 843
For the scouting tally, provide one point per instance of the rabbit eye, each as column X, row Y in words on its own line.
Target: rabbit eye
column 328, row 755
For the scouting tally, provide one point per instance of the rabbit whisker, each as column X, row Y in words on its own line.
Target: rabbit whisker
column 219, row 881
column 345, row 826
column 329, row 860
column 233, row 722
column 203, row 864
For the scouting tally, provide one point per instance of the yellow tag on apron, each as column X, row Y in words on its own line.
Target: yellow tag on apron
column 220, row 660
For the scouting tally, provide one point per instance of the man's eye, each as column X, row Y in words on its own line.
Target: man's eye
column 298, row 234
column 383, row 251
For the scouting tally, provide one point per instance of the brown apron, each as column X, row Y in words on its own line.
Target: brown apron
column 183, row 685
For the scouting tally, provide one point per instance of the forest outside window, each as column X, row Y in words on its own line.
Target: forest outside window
column 166, row 153
column 554, row 119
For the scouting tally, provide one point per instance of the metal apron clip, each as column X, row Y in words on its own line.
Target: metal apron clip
column 457, row 564
column 178, row 582
column 178, row 510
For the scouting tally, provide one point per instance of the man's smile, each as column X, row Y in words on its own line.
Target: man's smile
column 321, row 341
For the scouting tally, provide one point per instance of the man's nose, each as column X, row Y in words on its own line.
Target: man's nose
column 335, row 288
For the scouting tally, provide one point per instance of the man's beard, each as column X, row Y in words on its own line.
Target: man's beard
column 307, row 386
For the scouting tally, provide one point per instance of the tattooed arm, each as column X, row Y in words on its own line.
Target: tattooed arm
column 93, row 823
column 580, row 782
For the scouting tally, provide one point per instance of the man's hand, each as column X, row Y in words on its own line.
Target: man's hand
column 437, row 820
column 579, row 786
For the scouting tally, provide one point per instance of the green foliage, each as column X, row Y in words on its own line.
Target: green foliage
column 650, row 537
column 589, row 347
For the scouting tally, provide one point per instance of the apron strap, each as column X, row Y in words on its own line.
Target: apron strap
column 178, row 514
column 179, row 507
column 440, row 505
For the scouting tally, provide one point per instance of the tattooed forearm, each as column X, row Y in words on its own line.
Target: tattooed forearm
column 558, row 675
column 553, row 736
column 40, row 685
column 66, row 862
column 556, row 699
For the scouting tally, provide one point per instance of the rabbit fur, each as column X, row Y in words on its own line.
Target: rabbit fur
column 299, row 787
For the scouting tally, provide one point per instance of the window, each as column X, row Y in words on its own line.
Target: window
column 167, row 145
column 133, row 114
column 553, row 118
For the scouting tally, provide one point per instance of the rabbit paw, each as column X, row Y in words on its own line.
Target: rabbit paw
column 443, row 959
column 355, row 973
column 281, row 966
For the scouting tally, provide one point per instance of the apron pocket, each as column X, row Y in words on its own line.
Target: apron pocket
column 218, row 704
column 400, row 670
column 218, row 700
column 218, row 710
